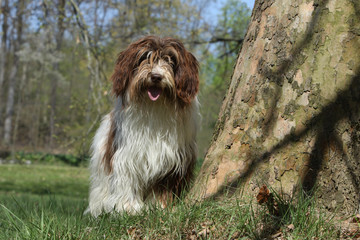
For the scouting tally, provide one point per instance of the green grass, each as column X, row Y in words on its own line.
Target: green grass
column 44, row 179
column 56, row 212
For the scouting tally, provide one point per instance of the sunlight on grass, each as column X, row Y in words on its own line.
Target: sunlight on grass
column 44, row 179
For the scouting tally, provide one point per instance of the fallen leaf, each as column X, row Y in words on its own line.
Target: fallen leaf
column 263, row 195
column 356, row 219
column 204, row 233
column 276, row 235
column 291, row 227
column 192, row 235
column 131, row 230
column 134, row 233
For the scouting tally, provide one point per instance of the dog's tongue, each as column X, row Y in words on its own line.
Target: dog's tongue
column 154, row 93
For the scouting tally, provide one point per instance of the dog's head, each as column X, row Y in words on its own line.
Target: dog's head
column 153, row 68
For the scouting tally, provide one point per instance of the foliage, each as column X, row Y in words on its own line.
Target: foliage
column 48, row 158
column 58, row 214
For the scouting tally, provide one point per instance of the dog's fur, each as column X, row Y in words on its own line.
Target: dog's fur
column 145, row 149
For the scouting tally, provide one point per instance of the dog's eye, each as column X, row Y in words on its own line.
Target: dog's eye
column 171, row 60
column 143, row 57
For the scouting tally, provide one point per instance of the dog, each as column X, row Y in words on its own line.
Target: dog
column 144, row 150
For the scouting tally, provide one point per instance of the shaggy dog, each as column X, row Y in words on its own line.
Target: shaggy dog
column 145, row 149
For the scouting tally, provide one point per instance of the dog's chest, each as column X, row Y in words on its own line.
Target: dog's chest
column 152, row 142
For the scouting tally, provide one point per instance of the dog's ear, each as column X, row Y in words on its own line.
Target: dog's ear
column 124, row 69
column 186, row 76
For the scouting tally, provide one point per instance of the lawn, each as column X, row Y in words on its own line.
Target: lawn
column 47, row 202
column 44, row 180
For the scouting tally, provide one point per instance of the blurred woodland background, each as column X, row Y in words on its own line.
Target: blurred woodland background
column 56, row 58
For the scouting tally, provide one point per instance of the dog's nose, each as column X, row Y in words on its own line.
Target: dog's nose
column 155, row 77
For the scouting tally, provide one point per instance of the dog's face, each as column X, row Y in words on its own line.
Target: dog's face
column 153, row 68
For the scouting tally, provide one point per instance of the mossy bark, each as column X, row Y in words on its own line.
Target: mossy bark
column 291, row 115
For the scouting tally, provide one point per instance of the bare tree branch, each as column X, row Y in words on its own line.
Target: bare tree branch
column 94, row 73
column 217, row 40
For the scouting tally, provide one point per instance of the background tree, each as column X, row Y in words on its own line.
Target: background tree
column 20, row 7
column 218, row 57
column 5, row 12
column 58, row 34
column 291, row 115
column 61, row 90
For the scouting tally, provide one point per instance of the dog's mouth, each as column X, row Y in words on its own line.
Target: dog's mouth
column 154, row 93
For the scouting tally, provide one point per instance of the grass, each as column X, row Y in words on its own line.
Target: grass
column 44, row 180
column 47, row 202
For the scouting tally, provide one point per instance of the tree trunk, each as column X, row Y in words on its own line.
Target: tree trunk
column 54, row 82
column 291, row 115
column 36, row 113
column 13, row 75
column 10, row 103
column 5, row 11
column 19, row 104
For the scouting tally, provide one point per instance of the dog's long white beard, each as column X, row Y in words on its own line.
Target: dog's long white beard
column 151, row 141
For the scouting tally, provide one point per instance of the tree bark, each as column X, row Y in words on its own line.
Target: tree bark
column 37, row 112
column 5, row 11
column 291, row 116
column 54, row 82
column 10, row 103
column 13, row 75
column 19, row 104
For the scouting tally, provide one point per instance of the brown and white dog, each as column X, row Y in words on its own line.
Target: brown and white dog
column 145, row 149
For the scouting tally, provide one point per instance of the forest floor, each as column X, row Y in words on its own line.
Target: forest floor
column 47, row 202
